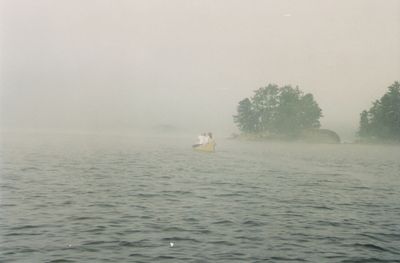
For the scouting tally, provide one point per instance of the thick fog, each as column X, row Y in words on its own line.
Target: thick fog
column 128, row 65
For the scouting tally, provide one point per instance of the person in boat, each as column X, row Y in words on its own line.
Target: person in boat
column 206, row 138
column 210, row 138
column 201, row 139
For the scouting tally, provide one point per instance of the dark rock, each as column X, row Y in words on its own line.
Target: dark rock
column 320, row 136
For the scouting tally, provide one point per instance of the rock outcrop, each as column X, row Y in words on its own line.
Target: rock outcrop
column 320, row 136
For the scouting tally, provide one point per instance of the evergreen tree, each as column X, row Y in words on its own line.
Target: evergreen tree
column 364, row 124
column 265, row 102
column 382, row 120
column 283, row 110
column 245, row 118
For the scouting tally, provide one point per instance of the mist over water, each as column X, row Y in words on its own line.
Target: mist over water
column 128, row 65
column 102, row 198
column 101, row 101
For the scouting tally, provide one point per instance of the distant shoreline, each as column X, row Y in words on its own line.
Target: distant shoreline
column 307, row 136
column 376, row 142
column 279, row 138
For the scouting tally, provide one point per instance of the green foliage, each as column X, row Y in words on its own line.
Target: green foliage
column 382, row 120
column 280, row 110
column 364, row 122
column 245, row 119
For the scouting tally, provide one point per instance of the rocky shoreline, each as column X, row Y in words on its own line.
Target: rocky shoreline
column 309, row 136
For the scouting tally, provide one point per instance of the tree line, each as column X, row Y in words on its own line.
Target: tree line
column 288, row 111
column 382, row 120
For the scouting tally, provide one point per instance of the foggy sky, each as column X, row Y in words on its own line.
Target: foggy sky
column 120, row 65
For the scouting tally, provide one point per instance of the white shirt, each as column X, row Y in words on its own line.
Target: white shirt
column 201, row 139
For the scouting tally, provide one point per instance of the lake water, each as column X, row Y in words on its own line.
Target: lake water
column 98, row 198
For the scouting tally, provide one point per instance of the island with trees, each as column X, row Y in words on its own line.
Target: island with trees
column 381, row 123
column 281, row 113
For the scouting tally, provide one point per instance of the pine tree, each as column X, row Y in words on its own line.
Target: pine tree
column 382, row 120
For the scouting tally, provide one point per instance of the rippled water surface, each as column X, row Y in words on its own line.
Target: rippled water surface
column 86, row 198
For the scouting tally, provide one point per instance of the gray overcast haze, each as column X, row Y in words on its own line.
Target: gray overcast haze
column 126, row 65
